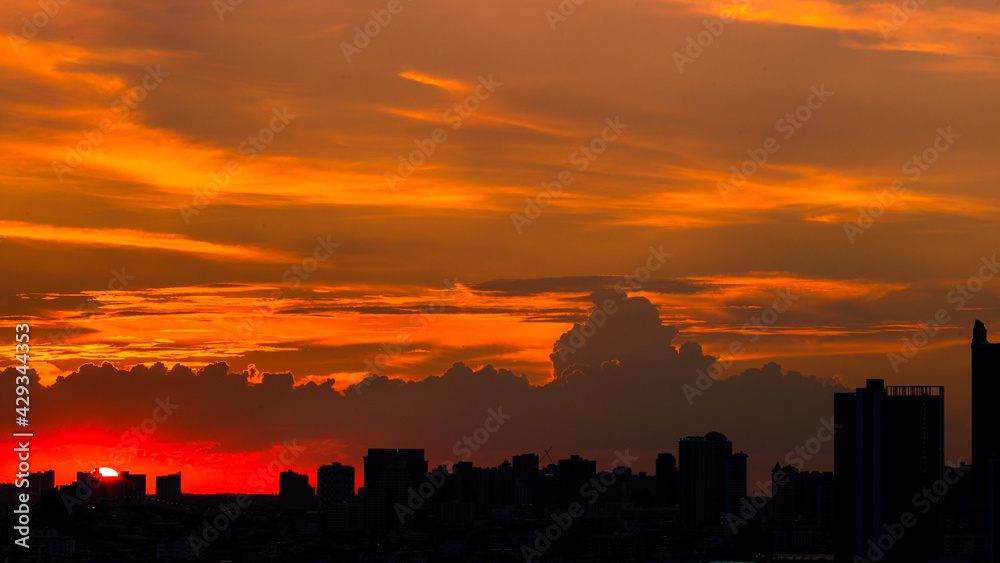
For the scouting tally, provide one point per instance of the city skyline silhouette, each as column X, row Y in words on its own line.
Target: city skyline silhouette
column 267, row 266
column 889, row 447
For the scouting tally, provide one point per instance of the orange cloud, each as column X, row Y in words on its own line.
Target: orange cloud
column 443, row 83
column 132, row 238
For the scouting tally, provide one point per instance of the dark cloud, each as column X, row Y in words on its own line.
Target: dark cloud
column 578, row 284
column 621, row 388
column 626, row 330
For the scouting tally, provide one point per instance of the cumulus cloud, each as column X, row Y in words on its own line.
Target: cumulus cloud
column 620, row 388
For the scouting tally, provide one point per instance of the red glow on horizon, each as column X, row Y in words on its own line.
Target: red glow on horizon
column 204, row 471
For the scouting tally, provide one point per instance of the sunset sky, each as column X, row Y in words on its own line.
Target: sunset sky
column 193, row 182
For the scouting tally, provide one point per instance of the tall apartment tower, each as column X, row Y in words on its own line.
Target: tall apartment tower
column 334, row 484
column 666, row 480
column 736, row 481
column 784, row 497
column 294, row 491
column 168, row 487
column 572, row 475
column 986, row 440
column 525, row 468
column 389, row 474
column 889, row 448
column 712, row 479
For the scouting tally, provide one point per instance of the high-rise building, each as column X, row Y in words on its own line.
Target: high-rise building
column 135, row 491
column 992, row 516
column 138, row 481
column 815, row 493
column 525, row 468
column 712, row 479
column 801, row 497
column 666, row 480
column 784, row 495
column 389, row 474
column 334, row 484
column 294, row 491
column 736, row 481
column 888, row 449
column 572, row 475
column 168, row 487
column 42, row 481
column 985, row 439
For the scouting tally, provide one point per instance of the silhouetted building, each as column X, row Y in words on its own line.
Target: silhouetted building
column 121, row 489
column 469, row 514
column 985, row 438
column 294, row 491
column 546, row 491
column 801, row 497
column 135, row 491
column 525, row 468
column 956, row 505
column 815, row 497
column 666, row 480
column 41, row 481
column 784, row 495
column 334, row 484
column 643, row 490
column 712, row 479
column 572, row 475
column 992, row 509
column 889, row 449
column 736, row 481
column 168, row 487
column 108, row 489
column 389, row 474
column 470, row 492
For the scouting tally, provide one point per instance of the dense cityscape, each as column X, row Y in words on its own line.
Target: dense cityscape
column 545, row 281
column 892, row 497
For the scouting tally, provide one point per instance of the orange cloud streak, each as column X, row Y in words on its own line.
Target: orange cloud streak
column 139, row 239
